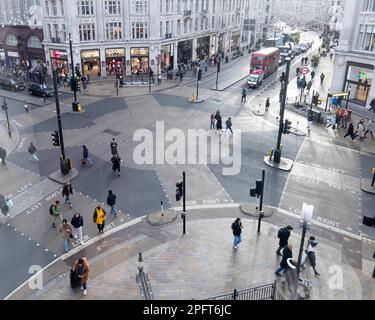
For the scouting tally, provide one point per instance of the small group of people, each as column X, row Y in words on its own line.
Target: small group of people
column 217, row 124
column 361, row 131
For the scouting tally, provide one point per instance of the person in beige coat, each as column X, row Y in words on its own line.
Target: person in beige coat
column 66, row 230
column 82, row 269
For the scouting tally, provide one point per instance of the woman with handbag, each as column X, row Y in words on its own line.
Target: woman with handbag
column 66, row 233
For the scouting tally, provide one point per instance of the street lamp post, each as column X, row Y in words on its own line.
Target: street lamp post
column 306, row 217
column 5, row 108
column 283, row 94
column 347, row 99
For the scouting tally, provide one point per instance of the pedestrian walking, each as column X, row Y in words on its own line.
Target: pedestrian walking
column 350, row 131
column 111, row 201
column 322, row 76
column 113, row 146
column 331, row 56
column 287, row 254
column 237, row 230
column 116, row 164
column 306, row 60
column 55, row 211
column 372, row 105
column 228, row 124
column 212, row 122
column 3, row 155
column 66, row 192
column 268, row 104
column 370, row 128
column 310, row 253
column 99, row 218
column 32, row 152
column 283, row 234
column 81, row 270
column 312, row 75
column 302, row 61
column 77, row 223
column 219, row 124
column 26, row 106
column 308, row 86
column 244, row 94
column 66, row 232
column 85, row 157
column 361, row 129
column 298, row 71
column 4, row 205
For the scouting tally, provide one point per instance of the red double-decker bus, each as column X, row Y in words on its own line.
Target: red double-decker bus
column 266, row 59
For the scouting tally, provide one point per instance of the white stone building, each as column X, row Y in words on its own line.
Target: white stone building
column 136, row 34
column 355, row 54
column 335, row 16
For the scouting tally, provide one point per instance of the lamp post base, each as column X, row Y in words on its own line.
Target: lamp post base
column 284, row 165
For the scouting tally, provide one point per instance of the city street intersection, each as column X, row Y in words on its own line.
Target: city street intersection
column 327, row 173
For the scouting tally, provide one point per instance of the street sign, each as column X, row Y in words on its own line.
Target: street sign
column 305, row 70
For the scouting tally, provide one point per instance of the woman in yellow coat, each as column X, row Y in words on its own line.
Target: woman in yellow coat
column 81, row 269
column 99, row 218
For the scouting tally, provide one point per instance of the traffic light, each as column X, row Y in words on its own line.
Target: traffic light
column 199, row 74
column 218, row 66
column 287, row 127
column 78, row 85
column 179, row 191
column 73, row 84
column 258, row 189
column 55, row 139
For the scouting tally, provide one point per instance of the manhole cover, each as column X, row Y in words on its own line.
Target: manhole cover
column 112, row 132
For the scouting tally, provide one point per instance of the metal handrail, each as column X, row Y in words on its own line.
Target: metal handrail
column 264, row 292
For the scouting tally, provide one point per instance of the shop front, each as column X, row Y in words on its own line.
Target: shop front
column 235, row 41
column 115, row 61
column 359, row 80
column 90, row 60
column 140, row 58
column 167, row 54
column 203, row 47
column 221, row 47
column 13, row 59
column 185, row 51
column 213, row 48
column 59, row 61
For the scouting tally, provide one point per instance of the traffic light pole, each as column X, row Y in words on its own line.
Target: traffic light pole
column 217, row 75
column 73, row 75
column 183, row 203
column 54, row 72
column 284, row 90
column 5, row 108
column 261, row 201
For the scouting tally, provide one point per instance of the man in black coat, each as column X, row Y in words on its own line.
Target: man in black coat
column 116, row 164
column 111, row 201
column 287, row 254
column 3, row 155
column 283, row 235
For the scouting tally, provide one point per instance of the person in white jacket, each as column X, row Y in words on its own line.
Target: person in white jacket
column 310, row 254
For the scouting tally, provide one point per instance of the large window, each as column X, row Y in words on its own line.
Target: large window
column 140, row 6
column 11, row 40
column 34, row 42
column 54, row 7
column 369, row 6
column 87, row 31
column 113, row 7
column 46, row 5
column 139, row 30
column 113, row 30
column 85, row 7
column 366, row 39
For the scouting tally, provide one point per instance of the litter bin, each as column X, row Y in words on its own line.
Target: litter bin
column 65, row 167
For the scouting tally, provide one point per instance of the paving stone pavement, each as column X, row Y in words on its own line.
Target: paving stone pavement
column 203, row 264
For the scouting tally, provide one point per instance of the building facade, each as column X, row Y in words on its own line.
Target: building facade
column 131, row 35
column 355, row 54
column 21, row 33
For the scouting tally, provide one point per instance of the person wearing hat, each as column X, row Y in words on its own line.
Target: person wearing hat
column 283, row 234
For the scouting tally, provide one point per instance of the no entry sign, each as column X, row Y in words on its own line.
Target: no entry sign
column 305, row 70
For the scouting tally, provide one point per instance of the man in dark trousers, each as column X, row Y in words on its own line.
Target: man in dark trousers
column 244, row 94
column 312, row 75
column 268, row 104
column 113, row 147
column 322, row 76
column 111, row 201
column 283, row 234
column 116, row 164
column 287, row 254
column 3, row 155
column 350, row 131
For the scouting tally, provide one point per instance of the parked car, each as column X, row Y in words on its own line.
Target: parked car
column 303, row 48
column 37, row 89
column 12, row 84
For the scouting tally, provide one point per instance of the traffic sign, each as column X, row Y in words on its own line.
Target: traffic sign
column 305, row 70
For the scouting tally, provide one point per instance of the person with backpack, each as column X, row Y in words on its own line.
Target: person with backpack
column 81, row 270
column 77, row 223
column 237, row 230
column 310, row 253
column 113, row 146
column 66, row 232
column 32, row 152
column 56, row 212
column 66, row 192
column 228, row 123
column 283, row 234
column 99, row 218
column 287, row 254
column 111, row 201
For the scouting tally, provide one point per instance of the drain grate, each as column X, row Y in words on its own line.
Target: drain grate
column 112, row 132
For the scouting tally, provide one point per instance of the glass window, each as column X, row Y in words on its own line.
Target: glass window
column 139, row 30
column 140, row 6
column 112, row 7
column 34, row 42
column 46, row 5
column 11, row 40
column 86, row 7
column 87, row 31
column 62, row 7
column 366, row 38
column 113, row 30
